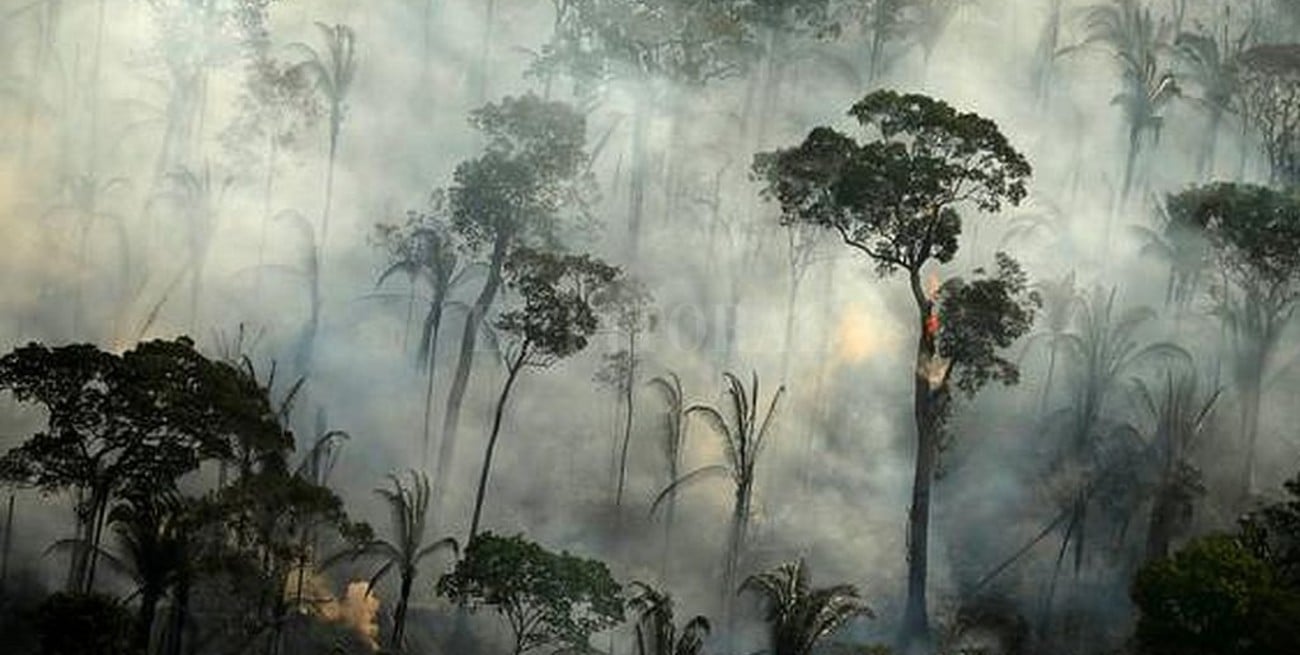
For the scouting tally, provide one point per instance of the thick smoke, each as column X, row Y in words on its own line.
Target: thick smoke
column 97, row 250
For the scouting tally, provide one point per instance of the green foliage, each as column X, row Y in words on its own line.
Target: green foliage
column 83, row 624
column 980, row 319
column 799, row 617
column 894, row 198
column 1255, row 231
column 676, row 40
column 549, row 600
column 1273, row 534
column 1214, row 598
column 533, row 168
column 557, row 315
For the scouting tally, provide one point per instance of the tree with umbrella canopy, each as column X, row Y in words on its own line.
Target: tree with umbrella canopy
column 896, row 199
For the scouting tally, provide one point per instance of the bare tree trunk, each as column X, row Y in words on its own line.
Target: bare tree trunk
column 637, row 178
column 627, row 417
column 485, row 51
column 399, row 614
column 513, row 373
column 915, row 628
column 429, row 343
column 8, row 546
column 464, row 363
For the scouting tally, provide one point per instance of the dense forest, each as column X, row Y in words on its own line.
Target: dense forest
column 649, row 327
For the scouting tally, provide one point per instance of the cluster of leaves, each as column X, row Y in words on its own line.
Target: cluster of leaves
column 980, row 319
column 534, row 167
column 1227, row 594
column 549, row 599
column 893, row 197
column 557, row 316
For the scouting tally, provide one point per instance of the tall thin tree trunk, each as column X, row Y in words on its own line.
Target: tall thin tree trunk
column 271, row 147
column 430, row 343
column 485, row 51
column 1250, row 405
column 627, row 417
column 915, row 628
column 329, row 188
column 8, row 546
column 637, row 178
column 513, row 373
column 399, row 614
column 464, row 364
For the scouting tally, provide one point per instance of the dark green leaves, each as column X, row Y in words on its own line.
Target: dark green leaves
column 549, row 599
column 533, row 168
column 895, row 198
column 982, row 317
column 557, row 316
column 1254, row 229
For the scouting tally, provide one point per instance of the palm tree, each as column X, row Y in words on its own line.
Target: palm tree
column 1102, row 350
column 1184, row 248
column 1211, row 62
column 1135, row 38
column 798, row 616
column 409, row 507
column 674, row 443
column 1181, row 413
column 333, row 73
column 198, row 199
column 656, row 633
column 1060, row 304
column 744, row 432
column 425, row 249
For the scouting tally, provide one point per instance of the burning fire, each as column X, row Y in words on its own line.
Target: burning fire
column 357, row 609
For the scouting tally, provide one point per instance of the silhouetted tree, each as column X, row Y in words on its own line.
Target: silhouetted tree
column 896, row 200
column 549, row 600
column 530, row 183
column 555, row 320
column 799, row 617
column 1270, row 100
column 744, row 427
column 409, row 506
column 1254, row 233
column 656, row 632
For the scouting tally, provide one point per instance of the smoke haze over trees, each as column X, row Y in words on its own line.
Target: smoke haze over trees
column 622, row 305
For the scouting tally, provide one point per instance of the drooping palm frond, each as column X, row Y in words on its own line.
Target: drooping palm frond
column 656, row 631
column 404, row 551
column 799, row 616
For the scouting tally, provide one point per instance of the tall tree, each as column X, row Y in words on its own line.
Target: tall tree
column 744, row 427
column 799, row 617
column 674, row 446
column 1254, row 233
column 531, row 183
column 408, row 505
column 425, row 250
column 1180, row 412
column 120, row 424
column 1270, row 101
column 1135, row 38
column 555, row 320
column 896, row 199
column 628, row 305
column 333, row 71
column 1211, row 60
